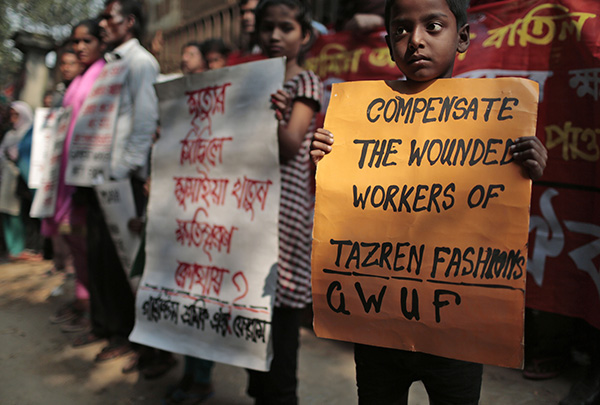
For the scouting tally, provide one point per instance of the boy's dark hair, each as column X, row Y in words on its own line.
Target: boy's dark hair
column 92, row 25
column 136, row 9
column 195, row 44
column 215, row 45
column 458, row 8
column 303, row 17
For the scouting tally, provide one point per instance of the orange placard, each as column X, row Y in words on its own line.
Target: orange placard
column 421, row 218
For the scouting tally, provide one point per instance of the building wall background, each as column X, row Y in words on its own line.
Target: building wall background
column 181, row 21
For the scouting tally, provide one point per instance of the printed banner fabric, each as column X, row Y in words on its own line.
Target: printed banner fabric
column 557, row 44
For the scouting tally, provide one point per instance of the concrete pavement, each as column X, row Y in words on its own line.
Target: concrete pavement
column 40, row 367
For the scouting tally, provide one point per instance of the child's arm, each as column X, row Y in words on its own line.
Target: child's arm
column 529, row 152
column 291, row 134
column 321, row 144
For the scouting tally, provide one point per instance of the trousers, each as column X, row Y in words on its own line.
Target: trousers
column 278, row 385
column 383, row 377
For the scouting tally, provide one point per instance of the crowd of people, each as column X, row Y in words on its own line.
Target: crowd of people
column 103, row 308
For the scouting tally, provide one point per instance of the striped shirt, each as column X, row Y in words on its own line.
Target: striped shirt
column 296, row 206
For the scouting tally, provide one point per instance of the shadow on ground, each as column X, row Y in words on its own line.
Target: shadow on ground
column 39, row 366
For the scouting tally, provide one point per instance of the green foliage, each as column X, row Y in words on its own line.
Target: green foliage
column 9, row 61
column 50, row 17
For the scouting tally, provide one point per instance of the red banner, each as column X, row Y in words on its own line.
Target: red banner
column 557, row 44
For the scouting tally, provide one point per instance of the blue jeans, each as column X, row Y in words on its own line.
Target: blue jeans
column 200, row 369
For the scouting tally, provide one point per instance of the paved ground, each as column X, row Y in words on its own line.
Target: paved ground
column 38, row 365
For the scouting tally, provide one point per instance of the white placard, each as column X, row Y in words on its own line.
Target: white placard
column 49, row 133
column 212, row 239
column 91, row 143
column 44, row 126
column 118, row 206
column 9, row 178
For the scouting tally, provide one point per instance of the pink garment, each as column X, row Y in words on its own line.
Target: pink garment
column 65, row 212
column 78, row 249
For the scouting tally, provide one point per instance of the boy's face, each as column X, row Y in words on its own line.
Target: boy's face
column 192, row 60
column 47, row 101
column 215, row 60
column 423, row 39
column 69, row 66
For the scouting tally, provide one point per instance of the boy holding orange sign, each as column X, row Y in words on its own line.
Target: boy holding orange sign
column 423, row 38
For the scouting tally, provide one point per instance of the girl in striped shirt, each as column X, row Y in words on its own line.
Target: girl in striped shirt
column 283, row 28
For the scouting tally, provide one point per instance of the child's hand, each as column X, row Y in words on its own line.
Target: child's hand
column 281, row 101
column 12, row 153
column 529, row 152
column 321, row 144
column 136, row 225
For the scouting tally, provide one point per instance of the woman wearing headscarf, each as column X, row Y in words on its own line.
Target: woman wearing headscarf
column 21, row 118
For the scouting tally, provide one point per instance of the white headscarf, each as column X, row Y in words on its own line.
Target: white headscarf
column 25, row 115
column 20, row 128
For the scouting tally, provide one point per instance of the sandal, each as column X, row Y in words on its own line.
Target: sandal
column 54, row 271
column 80, row 323
column 142, row 357
column 543, row 368
column 113, row 351
column 64, row 314
column 159, row 367
column 132, row 364
column 27, row 256
column 86, row 339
